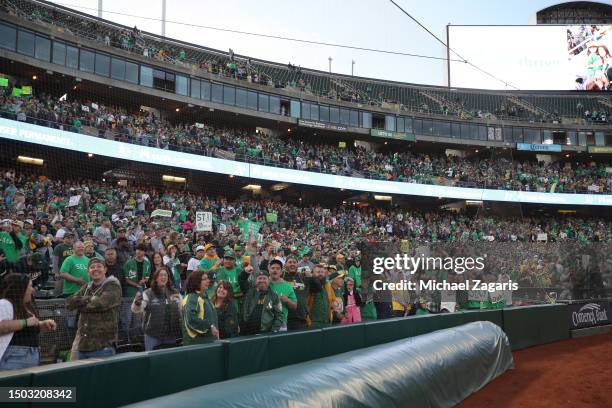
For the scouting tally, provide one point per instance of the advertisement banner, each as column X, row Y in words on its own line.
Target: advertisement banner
column 321, row 125
column 600, row 149
column 533, row 147
column 392, row 135
column 203, row 221
column 529, row 57
column 590, row 314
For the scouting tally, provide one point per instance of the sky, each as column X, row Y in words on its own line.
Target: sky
column 374, row 24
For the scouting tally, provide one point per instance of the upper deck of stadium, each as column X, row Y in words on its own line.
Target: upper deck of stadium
column 558, row 108
column 63, row 50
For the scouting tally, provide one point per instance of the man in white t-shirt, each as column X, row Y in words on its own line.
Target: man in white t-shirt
column 194, row 262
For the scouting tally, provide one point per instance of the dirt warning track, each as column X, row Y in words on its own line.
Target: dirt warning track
column 574, row 373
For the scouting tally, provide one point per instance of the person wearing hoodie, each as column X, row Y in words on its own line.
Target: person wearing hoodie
column 98, row 304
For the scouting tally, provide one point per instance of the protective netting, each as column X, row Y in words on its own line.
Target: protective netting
column 62, row 208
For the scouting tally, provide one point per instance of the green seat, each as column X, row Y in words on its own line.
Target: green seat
column 294, row 347
column 246, row 355
column 177, row 369
column 343, row 338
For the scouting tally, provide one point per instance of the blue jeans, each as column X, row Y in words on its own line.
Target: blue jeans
column 16, row 357
column 105, row 352
column 152, row 342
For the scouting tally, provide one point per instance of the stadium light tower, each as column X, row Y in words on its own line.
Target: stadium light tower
column 352, row 66
column 99, row 8
column 330, row 60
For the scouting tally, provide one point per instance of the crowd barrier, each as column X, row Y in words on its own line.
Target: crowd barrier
column 133, row 377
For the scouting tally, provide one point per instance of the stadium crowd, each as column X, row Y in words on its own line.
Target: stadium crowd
column 266, row 266
column 292, row 78
column 145, row 128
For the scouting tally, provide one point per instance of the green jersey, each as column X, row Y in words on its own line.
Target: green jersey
column 355, row 273
column 7, row 245
column 208, row 263
column 75, row 266
column 231, row 276
column 283, row 288
column 62, row 251
column 130, row 271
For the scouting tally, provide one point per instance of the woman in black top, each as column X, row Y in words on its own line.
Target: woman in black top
column 227, row 314
column 19, row 324
column 161, row 305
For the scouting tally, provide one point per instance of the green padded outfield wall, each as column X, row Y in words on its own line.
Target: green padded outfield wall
column 423, row 371
column 530, row 326
column 181, row 368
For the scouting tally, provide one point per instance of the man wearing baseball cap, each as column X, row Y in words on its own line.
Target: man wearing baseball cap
column 230, row 272
column 194, row 262
column 262, row 310
column 210, row 261
column 283, row 289
column 336, row 279
column 242, row 259
column 297, row 318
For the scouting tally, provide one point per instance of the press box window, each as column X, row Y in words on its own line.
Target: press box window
column 43, row 49
column 26, row 43
column 8, row 35
column 87, row 61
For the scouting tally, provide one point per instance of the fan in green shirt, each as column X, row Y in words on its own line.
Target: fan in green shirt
column 74, row 270
column 100, row 207
column 10, row 248
column 283, row 289
column 229, row 273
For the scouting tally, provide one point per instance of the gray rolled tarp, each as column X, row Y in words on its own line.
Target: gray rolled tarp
column 438, row 369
